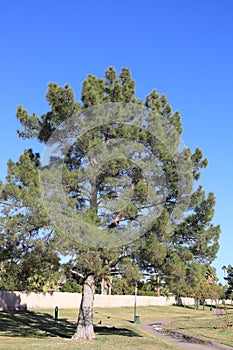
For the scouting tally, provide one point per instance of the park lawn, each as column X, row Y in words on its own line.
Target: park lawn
column 100, row 343
column 36, row 329
column 114, row 329
column 204, row 326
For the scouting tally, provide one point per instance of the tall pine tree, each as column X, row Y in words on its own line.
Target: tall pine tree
column 174, row 242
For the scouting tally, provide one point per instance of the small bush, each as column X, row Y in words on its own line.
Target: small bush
column 72, row 287
column 148, row 293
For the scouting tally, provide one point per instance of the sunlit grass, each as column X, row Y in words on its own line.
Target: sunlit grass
column 37, row 330
column 114, row 328
column 204, row 326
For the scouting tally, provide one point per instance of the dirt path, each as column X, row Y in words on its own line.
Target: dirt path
column 154, row 328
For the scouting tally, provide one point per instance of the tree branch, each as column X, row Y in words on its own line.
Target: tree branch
column 77, row 273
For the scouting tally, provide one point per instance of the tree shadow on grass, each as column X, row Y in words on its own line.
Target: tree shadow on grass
column 103, row 330
column 34, row 324
column 41, row 325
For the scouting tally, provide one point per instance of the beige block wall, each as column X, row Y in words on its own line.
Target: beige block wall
column 21, row 300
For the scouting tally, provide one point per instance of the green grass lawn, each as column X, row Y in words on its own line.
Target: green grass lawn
column 203, row 326
column 114, row 328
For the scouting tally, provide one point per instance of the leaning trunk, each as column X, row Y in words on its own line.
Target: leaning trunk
column 85, row 329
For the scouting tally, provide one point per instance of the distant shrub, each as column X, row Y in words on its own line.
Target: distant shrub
column 120, row 286
column 71, row 287
column 148, row 293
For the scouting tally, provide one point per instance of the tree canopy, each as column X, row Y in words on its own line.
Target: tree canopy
column 126, row 191
column 229, row 280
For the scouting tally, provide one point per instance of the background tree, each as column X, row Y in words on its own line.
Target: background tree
column 170, row 254
column 229, row 280
column 28, row 252
column 208, row 288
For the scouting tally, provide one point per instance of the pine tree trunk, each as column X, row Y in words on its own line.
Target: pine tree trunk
column 102, row 286
column 110, row 286
column 158, row 286
column 85, row 329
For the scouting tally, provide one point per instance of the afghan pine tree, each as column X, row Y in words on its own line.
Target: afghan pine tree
column 124, row 175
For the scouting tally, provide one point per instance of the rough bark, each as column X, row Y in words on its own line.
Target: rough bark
column 110, row 286
column 104, row 287
column 85, row 329
column 158, row 286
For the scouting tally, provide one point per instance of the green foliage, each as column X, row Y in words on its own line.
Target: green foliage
column 209, row 290
column 129, row 271
column 148, row 293
column 120, row 286
column 177, row 257
column 71, row 287
column 28, row 256
column 197, row 231
column 229, row 280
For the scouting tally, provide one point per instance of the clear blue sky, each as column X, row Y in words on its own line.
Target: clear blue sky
column 183, row 48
